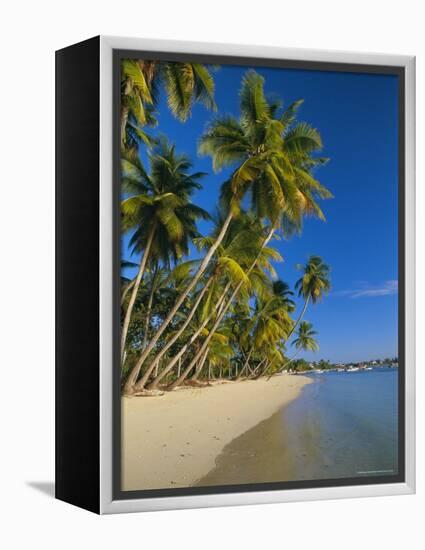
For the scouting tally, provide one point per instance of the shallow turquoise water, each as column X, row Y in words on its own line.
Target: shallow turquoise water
column 345, row 425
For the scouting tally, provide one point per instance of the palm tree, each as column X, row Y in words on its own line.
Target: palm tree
column 126, row 284
column 185, row 84
column 281, row 290
column 194, row 331
column 249, row 279
column 273, row 354
column 273, row 159
column 218, row 354
column 268, row 325
column 305, row 337
column 156, row 280
column 272, row 155
column 240, row 246
column 159, row 211
column 313, row 284
column 179, row 302
column 304, row 341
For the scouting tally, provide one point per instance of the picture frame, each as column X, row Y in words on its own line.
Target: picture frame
column 88, row 421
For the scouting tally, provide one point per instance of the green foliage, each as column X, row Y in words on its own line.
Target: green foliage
column 271, row 156
column 315, row 281
column 305, row 337
column 185, row 84
column 160, row 202
column 272, row 187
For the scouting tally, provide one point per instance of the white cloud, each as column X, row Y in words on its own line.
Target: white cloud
column 387, row 288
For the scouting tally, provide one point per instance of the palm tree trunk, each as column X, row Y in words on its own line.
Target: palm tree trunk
column 137, row 282
column 140, row 385
column 268, row 363
column 124, row 119
column 200, row 366
column 222, row 314
column 300, row 316
column 209, row 370
column 204, row 264
column 126, row 290
column 168, row 368
column 142, row 382
column 285, row 365
column 149, row 309
column 243, row 369
column 251, row 372
column 258, row 369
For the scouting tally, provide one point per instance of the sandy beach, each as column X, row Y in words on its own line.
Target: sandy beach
column 174, row 440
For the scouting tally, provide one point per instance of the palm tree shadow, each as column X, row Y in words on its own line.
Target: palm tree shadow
column 46, row 487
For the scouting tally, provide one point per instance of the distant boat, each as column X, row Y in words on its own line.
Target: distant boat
column 368, row 368
column 319, row 371
column 340, row 370
column 353, row 369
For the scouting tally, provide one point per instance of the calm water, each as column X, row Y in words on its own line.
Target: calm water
column 344, row 425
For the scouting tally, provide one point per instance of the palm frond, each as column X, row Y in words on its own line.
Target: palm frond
column 290, row 113
column 131, row 69
column 204, row 86
column 303, row 138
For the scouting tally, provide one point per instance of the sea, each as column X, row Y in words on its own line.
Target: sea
column 345, row 424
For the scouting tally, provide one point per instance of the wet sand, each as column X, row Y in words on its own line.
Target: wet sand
column 260, row 455
column 178, row 439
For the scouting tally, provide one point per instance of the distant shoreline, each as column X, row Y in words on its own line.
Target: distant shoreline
column 349, row 369
column 174, row 440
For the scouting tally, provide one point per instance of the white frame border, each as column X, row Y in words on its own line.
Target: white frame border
column 107, row 504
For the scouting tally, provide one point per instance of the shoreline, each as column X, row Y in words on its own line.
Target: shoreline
column 326, row 433
column 259, row 455
column 174, row 440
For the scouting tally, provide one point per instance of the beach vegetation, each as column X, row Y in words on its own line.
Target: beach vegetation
column 210, row 306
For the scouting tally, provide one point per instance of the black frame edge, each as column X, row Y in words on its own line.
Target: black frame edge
column 77, row 459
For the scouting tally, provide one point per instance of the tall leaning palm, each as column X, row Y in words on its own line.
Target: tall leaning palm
column 159, row 212
column 184, row 83
column 272, row 155
column 314, row 283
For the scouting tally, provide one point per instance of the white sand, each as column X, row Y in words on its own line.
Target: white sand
column 173, row 440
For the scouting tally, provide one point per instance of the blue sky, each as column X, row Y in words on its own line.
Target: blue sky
column 356, row 115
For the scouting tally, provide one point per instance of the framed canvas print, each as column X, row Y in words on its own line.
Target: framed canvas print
column 235, row 274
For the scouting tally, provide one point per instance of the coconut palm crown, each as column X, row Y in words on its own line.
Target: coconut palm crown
column 315, row 281
column 160, row 202
column 272, row 156
column 305, row 337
